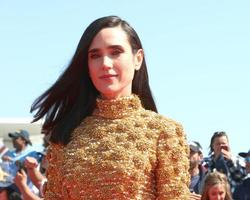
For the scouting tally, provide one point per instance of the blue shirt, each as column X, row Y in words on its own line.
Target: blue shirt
column 11, row 167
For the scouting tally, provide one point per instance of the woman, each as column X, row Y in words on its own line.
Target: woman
column 216, row 187
column 107, row 141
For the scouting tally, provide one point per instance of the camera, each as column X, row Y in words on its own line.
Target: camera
column 20, row 165
column 224, row 147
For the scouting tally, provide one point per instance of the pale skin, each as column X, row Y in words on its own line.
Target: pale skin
column 21, row 182
column 221, row 146
column 112, row 63
column 217, row 192
column 35, row 176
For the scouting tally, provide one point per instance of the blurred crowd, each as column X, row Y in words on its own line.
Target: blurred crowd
column 22, row 170
column 219, row 176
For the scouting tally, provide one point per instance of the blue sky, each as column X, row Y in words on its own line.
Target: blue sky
column 197, row 54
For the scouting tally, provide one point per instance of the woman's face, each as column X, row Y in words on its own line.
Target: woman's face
column 112, row 63
column 217, row 192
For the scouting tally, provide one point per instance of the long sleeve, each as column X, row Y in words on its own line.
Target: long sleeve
column 236, row 169
column 53, row 188
column 172, row 171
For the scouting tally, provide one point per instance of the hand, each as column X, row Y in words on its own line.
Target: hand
column 194, row 196
column 30, row 162
column 225, row 151
column 7, row 158
column 21, row 179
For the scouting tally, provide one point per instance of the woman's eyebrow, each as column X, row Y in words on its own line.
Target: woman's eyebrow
column 94, row 50
column 115, row 47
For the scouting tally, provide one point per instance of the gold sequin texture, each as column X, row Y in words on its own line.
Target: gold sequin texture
column 121, row 151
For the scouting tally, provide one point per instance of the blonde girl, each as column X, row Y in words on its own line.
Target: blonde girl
column 216, row 187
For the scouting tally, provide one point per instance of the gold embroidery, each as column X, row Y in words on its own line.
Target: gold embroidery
column 122, row 151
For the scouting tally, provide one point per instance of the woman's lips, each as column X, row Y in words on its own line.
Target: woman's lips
column 107, row 76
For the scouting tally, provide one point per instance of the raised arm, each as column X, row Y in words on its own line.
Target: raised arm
column 21, row 182
column 34, row 174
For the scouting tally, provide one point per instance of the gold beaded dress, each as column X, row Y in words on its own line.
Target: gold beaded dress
column 121, row 151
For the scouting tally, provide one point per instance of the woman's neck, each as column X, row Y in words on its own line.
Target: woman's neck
column 117, row 108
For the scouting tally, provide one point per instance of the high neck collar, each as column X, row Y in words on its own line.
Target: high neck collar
column 117, row 108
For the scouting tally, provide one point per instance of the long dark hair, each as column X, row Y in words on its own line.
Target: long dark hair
column 72, row 97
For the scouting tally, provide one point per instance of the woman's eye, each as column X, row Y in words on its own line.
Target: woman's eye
column 94, row 56
column 116, row 52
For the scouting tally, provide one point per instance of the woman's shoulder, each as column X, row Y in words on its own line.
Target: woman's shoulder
column 55, row 153
column 55, row 147
column 156, row 120
column 159, row 117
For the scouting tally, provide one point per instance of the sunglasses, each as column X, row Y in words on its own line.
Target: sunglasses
column 247, row 159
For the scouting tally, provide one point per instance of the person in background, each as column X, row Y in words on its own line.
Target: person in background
column 3, row 174
column 21, row 182
column 3, row 150
column 3, row 191
column 33, row 172
column 242, row 191
column 107, row 140
column 13, row 160
column 221, row 159
column 21, row 143
column 196, row 170
column 216, row 187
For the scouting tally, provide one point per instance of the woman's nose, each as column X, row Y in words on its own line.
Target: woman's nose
column 107, row 62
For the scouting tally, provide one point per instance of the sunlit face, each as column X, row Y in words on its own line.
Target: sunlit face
column 220, row 143
column 194, row 158
column 112, row 63
column 217, row 192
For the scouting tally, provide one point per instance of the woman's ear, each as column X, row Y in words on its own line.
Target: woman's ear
column 138, row 59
